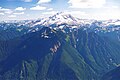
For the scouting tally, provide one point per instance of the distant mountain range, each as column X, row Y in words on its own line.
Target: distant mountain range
column 60, row 47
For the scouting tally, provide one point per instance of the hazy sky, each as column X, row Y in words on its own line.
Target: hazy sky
column 33, row 9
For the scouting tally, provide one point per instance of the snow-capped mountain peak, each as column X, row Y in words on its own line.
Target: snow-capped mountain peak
column 63, row 16
column 57, row 19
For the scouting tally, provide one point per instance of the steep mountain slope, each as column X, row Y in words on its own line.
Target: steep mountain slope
column 51, row 58
column 112, row 75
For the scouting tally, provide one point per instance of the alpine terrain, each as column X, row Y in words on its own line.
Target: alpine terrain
column 59, row 47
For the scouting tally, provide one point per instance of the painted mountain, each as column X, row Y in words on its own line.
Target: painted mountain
column 60, row 47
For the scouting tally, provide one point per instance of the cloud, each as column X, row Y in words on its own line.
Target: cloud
column 110, row 7
column 2, row 14
column 111, row 14
column 12, row 16
column 20, row 13
column 86, row 3
column 4, row 9
column 8, row 12
column 38, row 8
column 50, row 9
column 75, row 12
column 28, row 15
column 43, row 1
column 27, row 0
column 20, row 9
column 115, row 7
column 50, row 13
